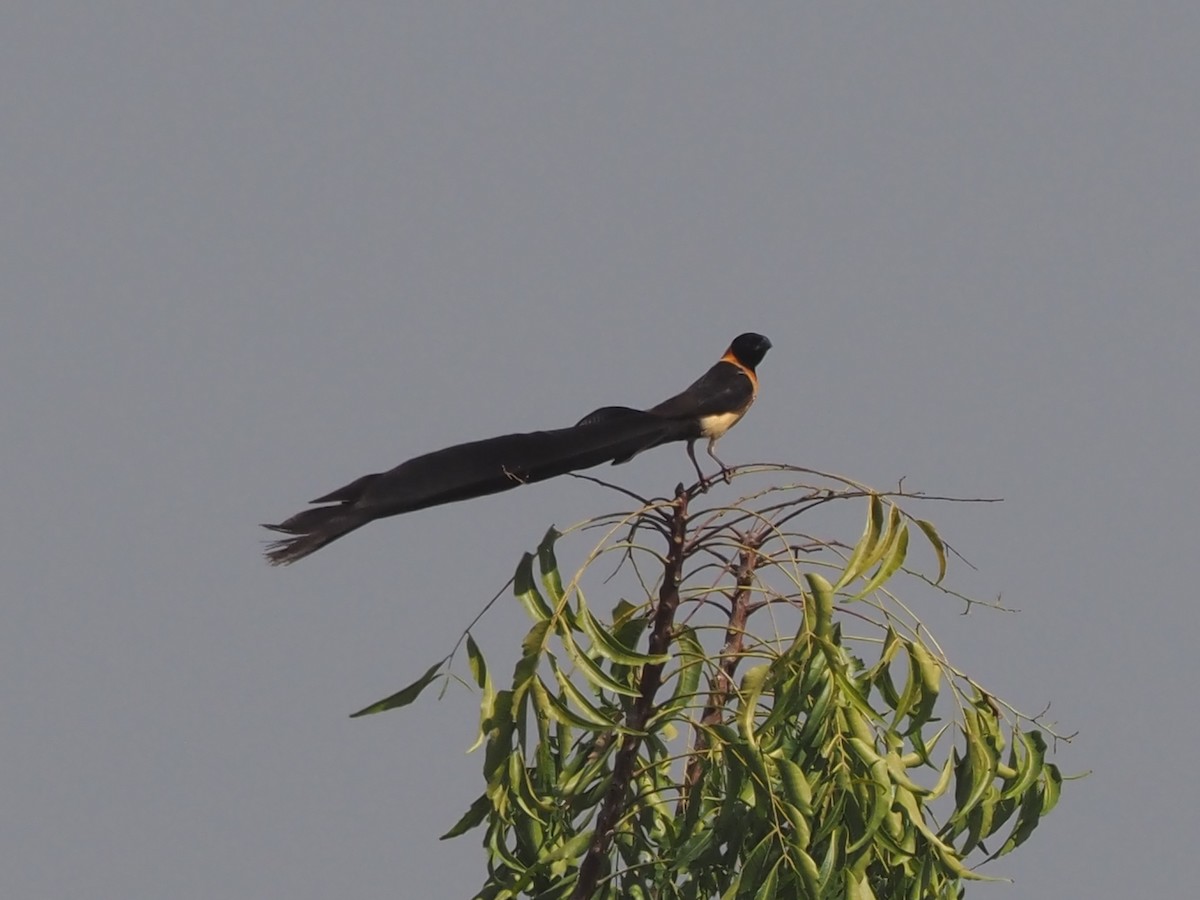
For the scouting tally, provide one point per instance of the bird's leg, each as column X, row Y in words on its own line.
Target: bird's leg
column 704, row 481
column 724, row 468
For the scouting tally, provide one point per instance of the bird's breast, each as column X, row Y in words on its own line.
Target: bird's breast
column 716, row 425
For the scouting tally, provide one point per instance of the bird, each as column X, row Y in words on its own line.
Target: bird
column 706, row 409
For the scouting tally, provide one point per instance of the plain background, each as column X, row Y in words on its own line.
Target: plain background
column 253, row 250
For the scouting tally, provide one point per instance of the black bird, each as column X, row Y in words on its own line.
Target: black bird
column 707, row 409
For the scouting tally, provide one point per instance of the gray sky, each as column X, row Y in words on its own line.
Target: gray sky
column 251, row 251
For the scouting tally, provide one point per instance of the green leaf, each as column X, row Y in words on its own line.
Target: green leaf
column 881, row 800
column 487, row 698
column 946, row 854
column 751, row 689
column 943, row 781
column 977, row 768
column 542, row 703
column 821, row 620
column 1029, row 764
column 525, row 671
column 816, row 666
column 403, row 697
column 1027, row 820
column 628, row 622
column 470, row 819
column 526, row 591
column 770, row 884
column 860, row 712
column 893, row 559
column 912, row 691
column 865, row 548
column 795, row 785
column 476, row 662
column 931, row 679
column 818, row 713
column 885, row 542
column 923, row 748
column 591, row 669
column 788, row 703
column 858, row 887
column 691, row 664
column 801, row 834
column 693, row 849
column 588, row 766
column 756, row 765
column 829, row 864
column 939, row 547
column 607, row 645
column 572, row 692
column 569, row 849
column 535, row 640
column 498, row 849
column 1051, row 787
column 899, row 774
column 500, row 728
column 753, row 864
column 810, row 874
column 981, row 821
column 528, row 800
column 547, row 562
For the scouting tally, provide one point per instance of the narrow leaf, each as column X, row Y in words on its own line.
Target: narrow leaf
column 893, row 560
column 943, row 781
column 1027, row 820
column 471, row 818
column 548, row 563
column 476, row 662
column 751, row 689
column 795, row 785
column 866, row 544
column 1052, row 786
column 593, row 672
column 572, row 692
column 1029, row 765
column 606, row 643
column 880, row 790
column 939, row 547
column 526, row 591
column 821, row 592
column 403, row 697
column 580, row 712
column 770, row 884
column 931, row 681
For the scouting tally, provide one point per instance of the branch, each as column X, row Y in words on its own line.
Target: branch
column 612, row 806
column 731, row 654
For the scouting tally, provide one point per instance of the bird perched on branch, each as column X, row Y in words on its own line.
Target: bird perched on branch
column 612, row 434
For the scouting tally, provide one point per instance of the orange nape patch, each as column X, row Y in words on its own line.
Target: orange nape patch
column 731, row 358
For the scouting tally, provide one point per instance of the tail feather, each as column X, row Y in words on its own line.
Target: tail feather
column 464, row 471
column 351, row 493
column 312, row 529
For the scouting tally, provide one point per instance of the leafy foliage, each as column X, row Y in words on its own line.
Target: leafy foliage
column 627, row 758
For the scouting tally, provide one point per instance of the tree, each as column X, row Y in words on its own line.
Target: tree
column 670, row 750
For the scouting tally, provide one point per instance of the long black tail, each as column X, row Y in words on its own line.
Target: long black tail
column 313, row 529
column 611, row 434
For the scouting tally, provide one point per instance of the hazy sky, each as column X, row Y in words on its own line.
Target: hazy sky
column 253, row 250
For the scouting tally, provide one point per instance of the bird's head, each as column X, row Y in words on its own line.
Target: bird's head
column 749, row 349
